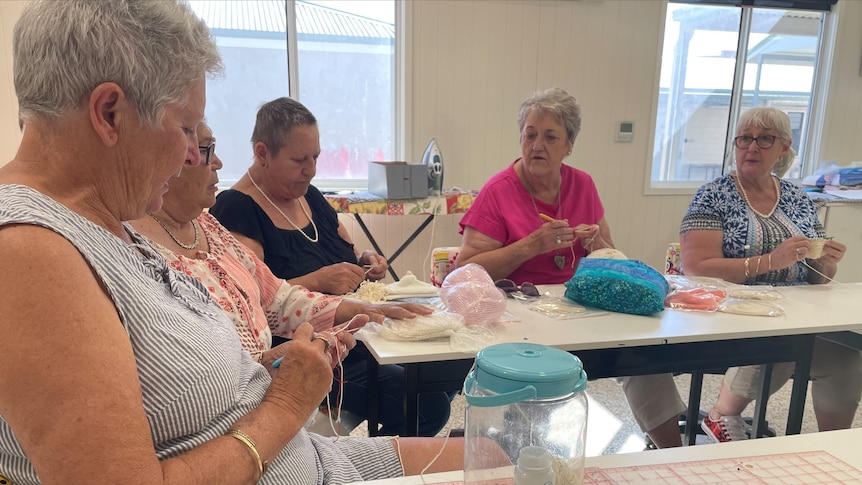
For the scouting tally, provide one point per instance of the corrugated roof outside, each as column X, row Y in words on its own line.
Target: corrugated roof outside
column 269, row 16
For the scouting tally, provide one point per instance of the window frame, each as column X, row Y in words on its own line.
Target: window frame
column 819, row 95
column 294, row 89
column 399, row 72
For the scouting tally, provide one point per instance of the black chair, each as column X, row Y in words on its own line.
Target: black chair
column 694, row 415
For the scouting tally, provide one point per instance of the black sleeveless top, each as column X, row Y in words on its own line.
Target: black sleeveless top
column 287, row 252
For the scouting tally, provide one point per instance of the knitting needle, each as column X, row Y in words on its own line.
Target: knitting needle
column 368, row 268
column 546, row 217
column 771, row 245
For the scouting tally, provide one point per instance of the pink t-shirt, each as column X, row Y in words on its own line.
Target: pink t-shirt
column 504, row 211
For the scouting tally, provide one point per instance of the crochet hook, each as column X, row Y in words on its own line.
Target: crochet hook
column 546, row 217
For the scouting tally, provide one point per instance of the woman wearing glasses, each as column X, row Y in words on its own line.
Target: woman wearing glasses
column 259, row 303
column 752, row 227
column 262, row 305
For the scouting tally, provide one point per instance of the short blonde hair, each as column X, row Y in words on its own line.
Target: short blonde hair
column 771, row 119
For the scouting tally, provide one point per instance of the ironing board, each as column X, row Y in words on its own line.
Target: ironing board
column 452, row 201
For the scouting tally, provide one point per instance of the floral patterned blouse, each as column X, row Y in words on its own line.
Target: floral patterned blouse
column 259, row 304
column 718, row 206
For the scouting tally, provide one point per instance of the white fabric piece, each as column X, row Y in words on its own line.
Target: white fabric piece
column 410, row 286
column 439, row 325
column 753, row 294
column 750, row 307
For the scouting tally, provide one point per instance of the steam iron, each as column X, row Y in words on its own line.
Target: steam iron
column 433, row 160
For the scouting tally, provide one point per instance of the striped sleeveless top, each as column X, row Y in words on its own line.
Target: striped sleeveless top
column 177, row 330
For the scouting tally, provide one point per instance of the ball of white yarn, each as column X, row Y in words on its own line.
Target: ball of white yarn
column 607, row 253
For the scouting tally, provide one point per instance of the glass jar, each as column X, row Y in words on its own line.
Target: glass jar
column 523, row 398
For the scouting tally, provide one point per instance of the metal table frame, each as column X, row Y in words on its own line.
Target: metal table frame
column 627, row 361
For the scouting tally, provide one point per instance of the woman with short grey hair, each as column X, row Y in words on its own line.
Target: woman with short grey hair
column 537, row 218
column 117, row 369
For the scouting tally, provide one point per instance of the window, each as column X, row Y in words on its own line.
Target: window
column 336, row 57
column 705, row 83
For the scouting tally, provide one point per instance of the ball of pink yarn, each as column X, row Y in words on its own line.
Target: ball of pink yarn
column 470, row 292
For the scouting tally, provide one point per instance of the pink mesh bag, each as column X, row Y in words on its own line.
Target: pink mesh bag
column 470, row 292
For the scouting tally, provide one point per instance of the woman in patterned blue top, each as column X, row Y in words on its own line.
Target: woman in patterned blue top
column 752, row 227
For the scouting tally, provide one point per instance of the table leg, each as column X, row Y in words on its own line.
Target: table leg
column 692, row 414
column 411, row 396
column 757, row 426
column 800, row 389
column 371, row 399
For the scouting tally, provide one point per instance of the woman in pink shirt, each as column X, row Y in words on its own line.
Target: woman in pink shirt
column 538, row 217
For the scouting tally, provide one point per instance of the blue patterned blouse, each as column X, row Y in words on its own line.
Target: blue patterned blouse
column 718, row 206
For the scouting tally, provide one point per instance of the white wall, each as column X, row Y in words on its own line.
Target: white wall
column 10, row 135
column 841, row 138
column 474, row 61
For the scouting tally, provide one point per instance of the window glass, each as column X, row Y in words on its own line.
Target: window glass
column 697, row 81
column 345, row 70
column 346, row 79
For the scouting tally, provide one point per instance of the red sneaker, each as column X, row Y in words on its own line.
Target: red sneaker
column 726, row 428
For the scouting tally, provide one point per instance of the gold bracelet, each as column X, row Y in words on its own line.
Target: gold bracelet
column 249, row 443
column 747, row 277
column 757, row 268
column 769, row 262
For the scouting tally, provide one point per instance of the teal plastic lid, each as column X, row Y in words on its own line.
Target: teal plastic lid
column 511, row 368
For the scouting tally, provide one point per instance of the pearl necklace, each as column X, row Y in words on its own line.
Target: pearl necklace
column 180, row 243
column 313, row 225
column 745, row 196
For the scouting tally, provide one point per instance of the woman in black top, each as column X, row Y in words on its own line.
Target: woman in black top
column 275, row 211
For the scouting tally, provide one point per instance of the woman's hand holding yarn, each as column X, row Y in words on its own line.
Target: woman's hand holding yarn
column 553, row 235
column 307, row 376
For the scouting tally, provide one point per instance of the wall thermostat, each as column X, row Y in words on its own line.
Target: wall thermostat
column 625, row 131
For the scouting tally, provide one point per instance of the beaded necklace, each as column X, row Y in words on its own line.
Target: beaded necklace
column 313, row 225
column 745, row 197
column 180, row 243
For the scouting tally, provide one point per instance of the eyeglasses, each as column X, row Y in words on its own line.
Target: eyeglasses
column 508, row 286
column 207, row 153
column 763, row 141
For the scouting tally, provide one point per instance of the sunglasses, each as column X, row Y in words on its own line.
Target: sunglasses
column 508, row 286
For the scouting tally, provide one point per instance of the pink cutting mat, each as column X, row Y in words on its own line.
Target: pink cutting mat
column 802, row 468
column 811, row 468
